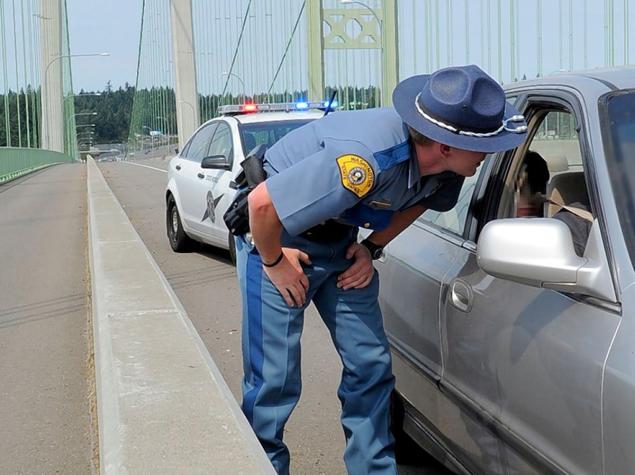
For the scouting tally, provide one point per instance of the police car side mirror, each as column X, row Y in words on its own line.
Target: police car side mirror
column 216, row 162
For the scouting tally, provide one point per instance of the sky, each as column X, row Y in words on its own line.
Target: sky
column 113, row 26
column 97, row 26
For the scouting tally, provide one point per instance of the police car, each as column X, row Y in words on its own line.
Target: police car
column 199, row 177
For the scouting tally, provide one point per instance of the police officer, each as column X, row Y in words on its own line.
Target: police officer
column 377, row 169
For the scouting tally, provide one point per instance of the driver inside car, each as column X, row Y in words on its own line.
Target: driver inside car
column 531, row 187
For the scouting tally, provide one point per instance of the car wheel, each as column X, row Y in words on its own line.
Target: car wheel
column 407, row 452
column 179, row 241
column 231, row 241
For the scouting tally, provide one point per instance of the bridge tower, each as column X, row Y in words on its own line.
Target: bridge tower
column 51, row 17
column 378, row 32
column 183, row 52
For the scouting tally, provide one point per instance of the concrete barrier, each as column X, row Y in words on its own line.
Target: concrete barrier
column 163, row 406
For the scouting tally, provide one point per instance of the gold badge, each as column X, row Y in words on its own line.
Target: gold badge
column 356, row 173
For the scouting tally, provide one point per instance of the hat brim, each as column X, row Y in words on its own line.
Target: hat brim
column 403, row 99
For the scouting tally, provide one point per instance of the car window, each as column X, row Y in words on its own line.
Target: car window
column 455, row 219
column 222, row 142
column 196, row 149
column 267, row 133
column 557, row 141
column 547, row 178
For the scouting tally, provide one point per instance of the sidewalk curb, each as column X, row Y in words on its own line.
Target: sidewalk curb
column 163, row 406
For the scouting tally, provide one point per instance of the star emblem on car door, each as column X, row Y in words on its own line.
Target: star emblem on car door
column 212, row 202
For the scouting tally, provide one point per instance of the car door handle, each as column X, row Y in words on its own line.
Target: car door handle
column 178, row 167
column 201, row 176
column 461, row 296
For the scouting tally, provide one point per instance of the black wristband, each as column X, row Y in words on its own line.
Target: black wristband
column 376, row 251
column 276, row 262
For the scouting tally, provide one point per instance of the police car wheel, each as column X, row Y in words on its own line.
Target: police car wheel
column 179, row 241
column 232, row 248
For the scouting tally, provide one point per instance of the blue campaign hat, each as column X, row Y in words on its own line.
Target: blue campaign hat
column 462, row 107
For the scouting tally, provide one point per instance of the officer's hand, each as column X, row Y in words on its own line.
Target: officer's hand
column 360, row 273
column 289, row 278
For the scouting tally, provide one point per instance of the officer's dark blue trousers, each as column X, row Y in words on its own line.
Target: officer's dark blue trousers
column 271, row 355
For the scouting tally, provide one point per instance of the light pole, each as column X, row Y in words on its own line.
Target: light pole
column 85, row 138
column 68, row 125
column 240, row 79
column 45, row 82
column 380, row 23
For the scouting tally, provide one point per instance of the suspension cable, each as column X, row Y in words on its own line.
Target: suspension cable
column 295, row 27
column 240, row 39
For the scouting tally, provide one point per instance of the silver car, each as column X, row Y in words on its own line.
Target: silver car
column 512, row 317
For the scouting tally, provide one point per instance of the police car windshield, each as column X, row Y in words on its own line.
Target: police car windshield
column 267, row 133
column 619, row 129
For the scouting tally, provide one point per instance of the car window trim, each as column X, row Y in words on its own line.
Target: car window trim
column 440, row 231
column 558, row 98
column 607, row 142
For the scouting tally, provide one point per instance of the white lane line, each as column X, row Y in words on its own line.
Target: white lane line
column 145, row 166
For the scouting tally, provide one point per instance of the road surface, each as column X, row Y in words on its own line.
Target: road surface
column 45, row 375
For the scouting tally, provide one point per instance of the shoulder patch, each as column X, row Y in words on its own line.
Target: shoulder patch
column 356, row 174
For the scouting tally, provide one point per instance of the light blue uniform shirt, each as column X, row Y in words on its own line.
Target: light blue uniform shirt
column 306, row 184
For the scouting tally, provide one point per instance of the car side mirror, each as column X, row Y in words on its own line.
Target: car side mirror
column 216, row 162
column 539, row 252
column 176, row 150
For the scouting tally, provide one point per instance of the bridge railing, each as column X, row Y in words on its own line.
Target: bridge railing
column 15, row 162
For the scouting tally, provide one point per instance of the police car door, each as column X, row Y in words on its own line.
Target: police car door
column 190, row 179
column 524, row 364
column 217, row 191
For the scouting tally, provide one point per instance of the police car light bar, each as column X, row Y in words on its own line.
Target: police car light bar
column 276, row 107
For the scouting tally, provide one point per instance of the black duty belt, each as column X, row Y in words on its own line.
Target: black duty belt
column 330, row 231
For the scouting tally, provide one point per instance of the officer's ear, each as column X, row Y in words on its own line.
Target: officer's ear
column 444, row 150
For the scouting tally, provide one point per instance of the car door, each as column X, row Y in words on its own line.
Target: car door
column 190, row 180
column 526, row 364
column 218, row 194
column 411, row 275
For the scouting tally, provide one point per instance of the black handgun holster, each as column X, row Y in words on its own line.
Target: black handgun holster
column 253, row 173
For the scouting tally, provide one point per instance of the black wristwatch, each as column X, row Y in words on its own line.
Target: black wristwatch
column 376, row 251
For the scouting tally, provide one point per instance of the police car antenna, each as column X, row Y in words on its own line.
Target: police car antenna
column 328, row 109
